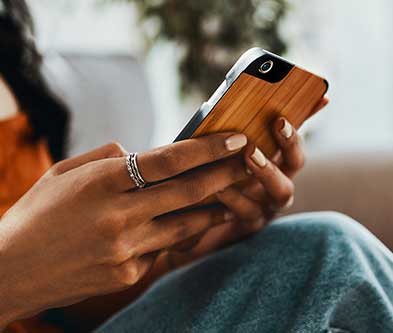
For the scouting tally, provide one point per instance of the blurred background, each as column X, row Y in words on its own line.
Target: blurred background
column 345, row 41
column 135, row 71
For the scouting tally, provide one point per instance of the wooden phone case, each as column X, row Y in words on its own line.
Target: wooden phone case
column 248, row 101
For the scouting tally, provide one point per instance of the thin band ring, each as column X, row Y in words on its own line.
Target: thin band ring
column 133, row 170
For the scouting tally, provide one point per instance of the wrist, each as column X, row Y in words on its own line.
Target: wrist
column 5, row 320
column 9, row 311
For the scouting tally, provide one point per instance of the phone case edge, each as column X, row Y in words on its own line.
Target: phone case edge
column 232, row 75
column 239, row 67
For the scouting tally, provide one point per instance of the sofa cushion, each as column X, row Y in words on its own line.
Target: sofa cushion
column 108, row 97
column 357, row 184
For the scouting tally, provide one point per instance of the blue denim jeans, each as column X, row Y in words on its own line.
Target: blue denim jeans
column 313, row 272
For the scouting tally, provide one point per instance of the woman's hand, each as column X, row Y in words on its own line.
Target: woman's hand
column 84, row 229
column 270, row 188
column 268, row 191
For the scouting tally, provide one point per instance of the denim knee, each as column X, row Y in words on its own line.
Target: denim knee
column 311, row 235
column 325, row 225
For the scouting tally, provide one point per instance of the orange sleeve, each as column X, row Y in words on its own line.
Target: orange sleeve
column 22, row 163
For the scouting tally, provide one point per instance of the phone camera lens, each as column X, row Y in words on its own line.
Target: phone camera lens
column 266, row 67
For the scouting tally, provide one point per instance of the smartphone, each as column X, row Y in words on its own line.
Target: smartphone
column 260, row 87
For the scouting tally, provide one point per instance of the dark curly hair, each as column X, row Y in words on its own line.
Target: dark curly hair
column 20, row 65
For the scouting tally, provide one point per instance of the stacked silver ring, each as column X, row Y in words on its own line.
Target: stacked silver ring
column 133, row 170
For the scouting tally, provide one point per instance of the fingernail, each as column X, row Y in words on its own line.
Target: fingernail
column 235, row 142
column 229, row 216
column 286, row 129
column 259, row 158
column 289, row 203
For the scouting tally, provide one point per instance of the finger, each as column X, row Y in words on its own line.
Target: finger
column 290, row 144
column 166, row 231
column 279, row 188
column 194, row 186
column 252, row 189
column 110, row 150
column 242, row 206
column 216, row 238
column 256, row 192
column 281, row 129
column 188, row 244
column 174, row 159
column 321, row 104
column 134, row 269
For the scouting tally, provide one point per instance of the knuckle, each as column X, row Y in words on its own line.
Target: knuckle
column 141, row 209
column 181, row 231
column 272, row 173
column 256, row 213
column 115, row 149
column 104, row 175
column 169, row 160
column 55, row 169
column 107, row 184
column 234, row 199
column 118, row 253
column 212, row 150
column 88, row 183
column 286, row 194
column 126, row 274
column 236, row 170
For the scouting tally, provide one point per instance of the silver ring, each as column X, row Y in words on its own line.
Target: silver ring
column 133, row 170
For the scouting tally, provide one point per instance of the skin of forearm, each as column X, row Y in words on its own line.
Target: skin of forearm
column 7, row 312
column 10, row 287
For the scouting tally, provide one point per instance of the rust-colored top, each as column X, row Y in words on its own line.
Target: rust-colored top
column 22, row 163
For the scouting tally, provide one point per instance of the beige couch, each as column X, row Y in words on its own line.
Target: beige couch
column 357, row 184
column 109, row 99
